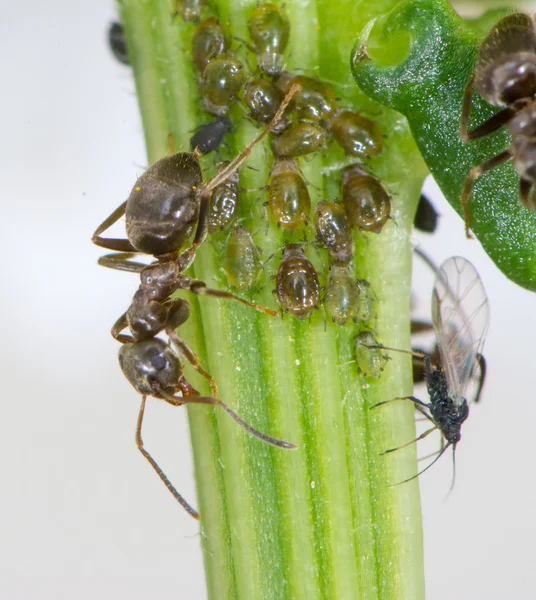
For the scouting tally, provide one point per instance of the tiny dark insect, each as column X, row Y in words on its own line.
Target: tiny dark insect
column 297, row 286
column 460, row 316
column 426, row 215
column 117, row 44
column 505, row 76
column 209, row 137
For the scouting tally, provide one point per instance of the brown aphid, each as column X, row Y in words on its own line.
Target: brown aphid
column 189, row 10
column 209, row 40
column 223, row 203
column 297, row 285
column 242, row 263
column 333, row 230
column 269, row 30
column 366, row 202
column 223, row 78
column 505, row 76
column 357, row 135
column 288, row 197
column 314, row 102
column 262, row 99
column 300, row 139
column 342, row 294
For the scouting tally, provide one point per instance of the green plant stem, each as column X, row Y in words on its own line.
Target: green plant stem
column 320, row 521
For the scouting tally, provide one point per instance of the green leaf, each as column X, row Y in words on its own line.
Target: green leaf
column 436, row 52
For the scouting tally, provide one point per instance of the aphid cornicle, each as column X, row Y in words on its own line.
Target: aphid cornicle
column 288, row 197
column 242, row 262
column 116, row 41
column 365, row 200
column 426, row 216
column 370, row 356
column 269, row 29
column 223, row 203
column 314, row 102
column 460, row 316
column 209, row 40
column 299, row 139
column 357, row 135
column 297, row 286
column 505, row 77
column 342, row 294
column 333, row 230
column 262, row 99
column 223, row 78
column 209, row 137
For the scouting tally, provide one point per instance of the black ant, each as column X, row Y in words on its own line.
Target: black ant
column 505, row 76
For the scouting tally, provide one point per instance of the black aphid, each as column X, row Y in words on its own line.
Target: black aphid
column 210, row 136
column 426, row 216
column 116, row 41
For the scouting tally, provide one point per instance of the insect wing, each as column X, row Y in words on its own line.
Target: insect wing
column 460, row 314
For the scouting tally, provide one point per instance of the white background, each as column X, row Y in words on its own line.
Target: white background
column 81, row 513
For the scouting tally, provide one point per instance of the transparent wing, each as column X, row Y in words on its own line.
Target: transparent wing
column 460, row 314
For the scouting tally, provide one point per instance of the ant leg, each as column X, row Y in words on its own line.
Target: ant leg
column 421, row 437
column 412, row 398
column 112, row 243
column 139, row 443
column 179, row 313
column 199, row 288
column 118, row 327
column 120, row 262
column 483, row 369
column 473, row 174
column 217, row 402
column 524, row 192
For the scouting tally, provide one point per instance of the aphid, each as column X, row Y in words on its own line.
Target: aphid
column 505, row 76
column 242, row 263
column 357, row 135
column 333, row 230
column 210, row 136
column 269, row 30
column 314, row 102
column 165, row 205
column 426, row 216
column 189, row 10
column 297, row 285
column 209, row 40
column 288, row 197
column 370, row 356
column 223, row 203
column 342, row 294
column 299, row 139
column 223, row 78
column 366, row 306
column 263, row 99
column 460, row 315
column 117, row 44
column 366, row 202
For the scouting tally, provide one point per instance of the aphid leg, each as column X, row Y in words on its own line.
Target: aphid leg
column 425, row 469
column 112, row 243
column 468, row 185
column 412, row 398
column 199, row 288
column 118, row 327
column 524, row 192
column 420, row 437
column 154, row 464
column 120, row 261
column 483, row 369
column 217, row 402
column 179, row 313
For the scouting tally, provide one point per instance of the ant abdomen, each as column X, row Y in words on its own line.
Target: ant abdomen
column 150, row 366
column 297, row 285
column 366, row 202
column 333, row 230
column 288, row 197
column 152, row 226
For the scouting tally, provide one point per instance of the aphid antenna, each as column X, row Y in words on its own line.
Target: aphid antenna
column 425, row 469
